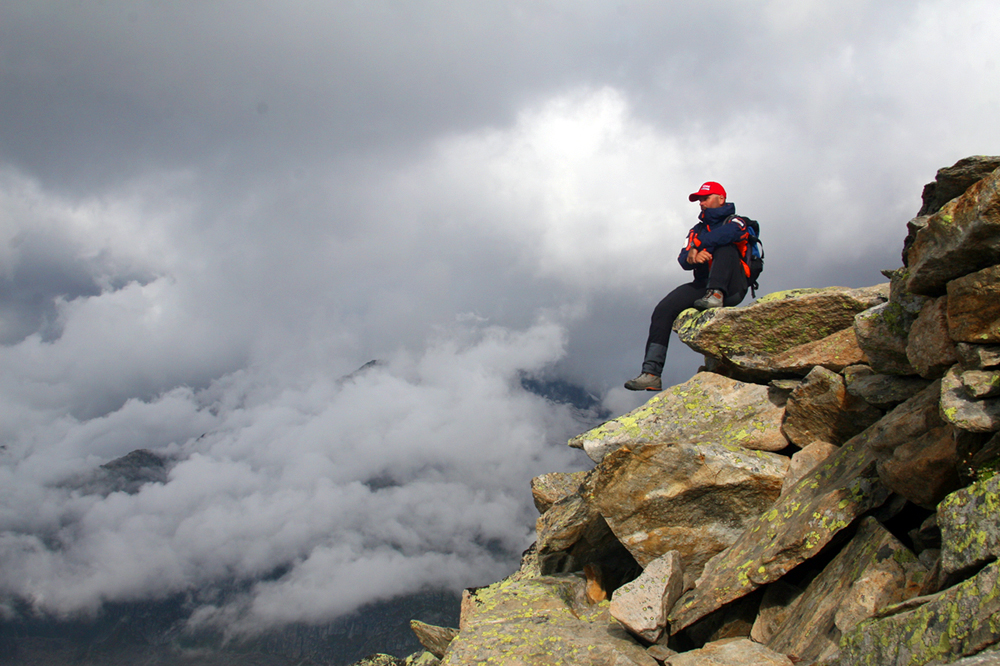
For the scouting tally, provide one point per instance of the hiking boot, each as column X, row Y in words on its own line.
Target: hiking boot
column 644, row 382
column 711, row 299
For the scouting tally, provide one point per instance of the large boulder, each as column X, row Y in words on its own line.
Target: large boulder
column 874, row 570
column 706, row 408
column 745, row 340
column 796, row 528
column 961, row 238
column 957, row 622
column 696, row 499
column 974, row 306
column 541, row 621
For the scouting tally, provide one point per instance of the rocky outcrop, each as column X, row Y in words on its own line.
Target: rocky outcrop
column 826, row 493
column 744, row 342
column 708, row 407
column 963, row 237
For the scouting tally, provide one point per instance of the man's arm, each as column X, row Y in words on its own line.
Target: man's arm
column 731, row 232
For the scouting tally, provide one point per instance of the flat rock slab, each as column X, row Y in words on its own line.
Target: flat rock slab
column 749, row 338
column 734, row 652
column 958, row 622
column 706, row 408
column 970, row 531
column 823, row 503
column 695, row 499
column 541, row 621
column 834, row 352
column 873, row 571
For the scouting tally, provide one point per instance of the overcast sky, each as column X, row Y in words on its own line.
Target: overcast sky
column 210, row 211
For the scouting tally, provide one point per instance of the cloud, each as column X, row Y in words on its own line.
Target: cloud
column 446, row 442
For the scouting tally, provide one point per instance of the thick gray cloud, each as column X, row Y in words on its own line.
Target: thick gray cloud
column 211, row 211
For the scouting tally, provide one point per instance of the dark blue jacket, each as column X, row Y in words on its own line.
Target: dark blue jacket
column 711, row 232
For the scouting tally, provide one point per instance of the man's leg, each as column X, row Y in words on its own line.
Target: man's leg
column 727, row 283
column 662, row 321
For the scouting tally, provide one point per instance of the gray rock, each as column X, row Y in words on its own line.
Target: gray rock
column 882, row 333
column 970, row 531
column 961, row 238
column 929, row 348
column 978, row 357
column 885, row 391
column 958, row 408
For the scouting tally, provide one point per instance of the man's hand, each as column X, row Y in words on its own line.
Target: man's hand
column 699, row 256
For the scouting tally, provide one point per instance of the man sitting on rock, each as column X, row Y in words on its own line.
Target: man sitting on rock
column 714, row 251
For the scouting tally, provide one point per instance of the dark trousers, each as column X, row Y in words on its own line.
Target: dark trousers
column 726, row 275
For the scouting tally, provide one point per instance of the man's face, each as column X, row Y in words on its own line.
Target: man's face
column 711, row 201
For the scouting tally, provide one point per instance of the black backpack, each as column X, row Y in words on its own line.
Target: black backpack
column 754, row 256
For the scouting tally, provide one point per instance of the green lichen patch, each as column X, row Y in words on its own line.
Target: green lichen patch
column 952, row 624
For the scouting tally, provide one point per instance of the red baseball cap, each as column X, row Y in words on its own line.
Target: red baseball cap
column 707, row 189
